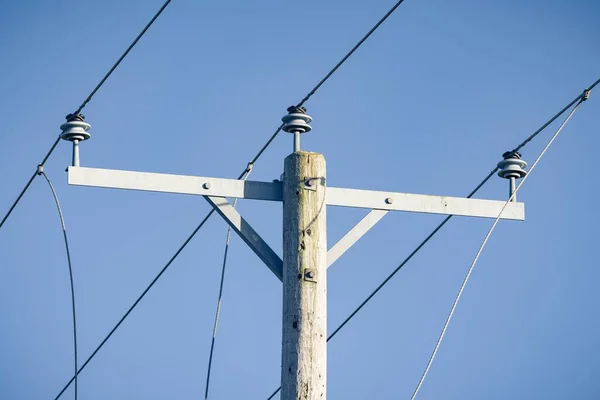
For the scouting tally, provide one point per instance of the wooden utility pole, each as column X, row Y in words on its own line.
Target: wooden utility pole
column 304, row 351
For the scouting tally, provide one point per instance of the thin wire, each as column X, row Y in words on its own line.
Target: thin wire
column 85, row 102
column 29, row 182
column 220, row 296
column 64, row 230
column 466, row 279
column 407, row 259
column 162, row 271
column 274, row 393
column 551, row 120
column 131, row 46
column 343, row 60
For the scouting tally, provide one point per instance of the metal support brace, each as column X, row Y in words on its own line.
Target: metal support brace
column 362, row 227
column 247, row 233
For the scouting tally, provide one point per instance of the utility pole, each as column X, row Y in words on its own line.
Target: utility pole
column 304, row 349
column 303, row 270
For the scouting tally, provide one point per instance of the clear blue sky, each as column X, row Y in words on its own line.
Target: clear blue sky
column 428, row 105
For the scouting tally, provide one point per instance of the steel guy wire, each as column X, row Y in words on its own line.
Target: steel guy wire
column 64, row 231
column 445, row 220
column 485, row 240
column 85, row 102
column 220, row 296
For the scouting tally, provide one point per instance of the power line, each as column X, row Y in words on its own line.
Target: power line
column 220, row 296
column 10, row 210
column 343, row 60
column 445, row 221
column 64, row 231
column 551, row 120
column 162, row 271
column 131, row 46
column 85, row 102
column 485, row 240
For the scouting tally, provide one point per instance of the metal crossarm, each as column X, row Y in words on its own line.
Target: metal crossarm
column 272, row 191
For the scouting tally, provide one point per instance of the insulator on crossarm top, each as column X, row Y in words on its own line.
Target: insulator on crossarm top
column 512, row 168
column 75, row 130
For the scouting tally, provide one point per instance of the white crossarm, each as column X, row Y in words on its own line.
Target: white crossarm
column 423, row 203
column 272, row 191
column 168, row 183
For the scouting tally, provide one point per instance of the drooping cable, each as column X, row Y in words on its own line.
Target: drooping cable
column 162, row 271
column 583, row 95
column 80, row 108
column 14, row 204
column 485, row 240
column 64, row 231
column 220, row 296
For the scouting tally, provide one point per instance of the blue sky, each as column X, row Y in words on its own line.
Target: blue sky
column 427, row 105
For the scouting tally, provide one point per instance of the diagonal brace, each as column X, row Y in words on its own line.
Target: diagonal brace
column 247, row 233
column 354, row 234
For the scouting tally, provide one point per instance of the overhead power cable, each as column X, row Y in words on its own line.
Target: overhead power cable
column 220, row 296
column 485, row 240
column 583, row 95
column 81, row 107
column 162, row 271
column 131, row 46
column 64, row 231
column 347, row 56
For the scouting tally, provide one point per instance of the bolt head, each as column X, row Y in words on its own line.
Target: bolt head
column 389, row 200
column 206, row 185
column 310, row 274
